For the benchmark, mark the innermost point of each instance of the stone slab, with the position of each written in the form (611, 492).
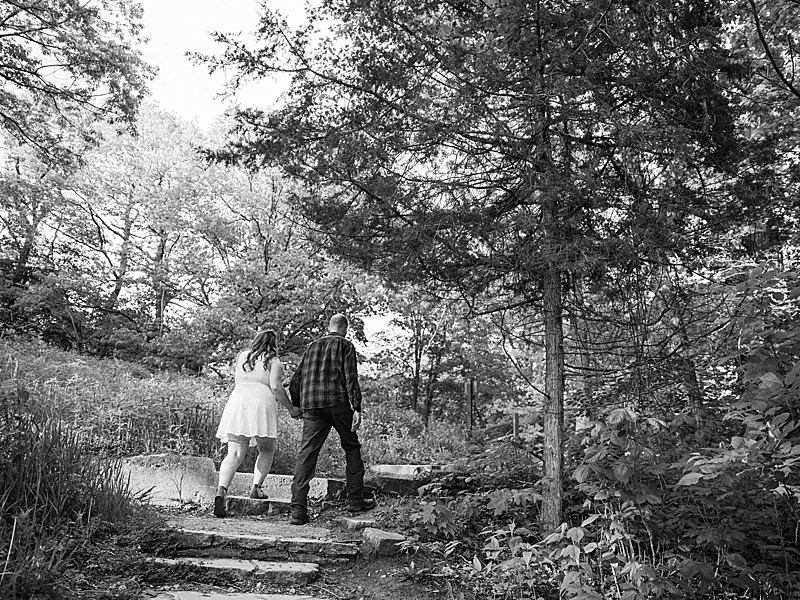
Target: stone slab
(280, 486)
(276, 572)
(170, 479)
(190, 595)
(410, 472)
(250, 526)
(356, 522)
(239, 505)
(382, 543)
(399, 479)
(196, 543)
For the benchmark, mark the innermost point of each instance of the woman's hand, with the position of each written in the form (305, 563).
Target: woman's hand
(295, 412)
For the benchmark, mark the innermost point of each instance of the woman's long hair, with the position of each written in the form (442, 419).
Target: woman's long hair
(262, 347)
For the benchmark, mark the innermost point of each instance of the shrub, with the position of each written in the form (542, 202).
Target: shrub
(394, 435)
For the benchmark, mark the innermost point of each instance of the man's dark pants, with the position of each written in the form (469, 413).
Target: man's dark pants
(317, 425)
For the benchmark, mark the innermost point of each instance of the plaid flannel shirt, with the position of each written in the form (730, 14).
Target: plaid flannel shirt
(327, 375)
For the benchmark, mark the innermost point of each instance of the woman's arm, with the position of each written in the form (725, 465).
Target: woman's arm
(276, 385)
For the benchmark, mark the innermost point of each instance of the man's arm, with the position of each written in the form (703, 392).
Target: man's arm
(294, 384)
(351, 378)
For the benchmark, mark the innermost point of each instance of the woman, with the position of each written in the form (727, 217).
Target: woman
(250, 417)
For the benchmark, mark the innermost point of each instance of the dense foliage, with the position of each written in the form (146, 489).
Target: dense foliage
(63, 59)
(147, 252)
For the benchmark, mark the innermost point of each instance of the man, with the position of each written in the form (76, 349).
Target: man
(325, 387)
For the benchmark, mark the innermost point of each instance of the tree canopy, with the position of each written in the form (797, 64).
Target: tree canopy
(61, 56)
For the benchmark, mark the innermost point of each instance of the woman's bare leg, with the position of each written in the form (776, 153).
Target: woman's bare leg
(237, 450)
(266, 454)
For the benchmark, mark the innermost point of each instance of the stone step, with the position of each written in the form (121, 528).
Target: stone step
(191, 595)
(399, 479)
(286, 573)
(261, 526)
(382, 543)
(241, 505)
(356, 522)
(201, 543)
(170, 479)
(280, 486)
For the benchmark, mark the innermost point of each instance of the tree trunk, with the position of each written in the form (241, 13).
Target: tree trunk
(122, 268)
(433, 376)
(20, 273)
(162, 294)
(693, 388)
(552, 304)
(426, 413)
(416, 381)
(554, 402)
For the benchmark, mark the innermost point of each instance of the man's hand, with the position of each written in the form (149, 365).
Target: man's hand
(295, 412)
(356, 420)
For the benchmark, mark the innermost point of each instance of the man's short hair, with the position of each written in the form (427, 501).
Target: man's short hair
(339, 323)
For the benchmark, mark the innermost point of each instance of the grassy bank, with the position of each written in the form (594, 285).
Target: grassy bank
(56, 497)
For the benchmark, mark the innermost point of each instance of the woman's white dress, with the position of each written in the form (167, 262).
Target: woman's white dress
(251, 409)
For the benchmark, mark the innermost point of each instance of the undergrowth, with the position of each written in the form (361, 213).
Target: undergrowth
(55, 496)
(648, 516)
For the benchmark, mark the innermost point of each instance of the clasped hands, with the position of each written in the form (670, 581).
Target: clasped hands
(296, 413)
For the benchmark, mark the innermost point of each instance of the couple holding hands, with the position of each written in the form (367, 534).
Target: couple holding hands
(324, 393)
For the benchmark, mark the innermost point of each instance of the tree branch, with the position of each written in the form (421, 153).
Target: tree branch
(775, 67)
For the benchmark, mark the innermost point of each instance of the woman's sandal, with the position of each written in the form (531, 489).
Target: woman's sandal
(257, 493)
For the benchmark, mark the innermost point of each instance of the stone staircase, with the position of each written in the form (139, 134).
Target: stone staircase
(254, 547)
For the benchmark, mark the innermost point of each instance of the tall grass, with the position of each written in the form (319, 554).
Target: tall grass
(54, 496)
(120, 409)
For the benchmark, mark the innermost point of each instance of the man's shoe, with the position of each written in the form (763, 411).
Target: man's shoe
(366, 504)
(298, 519)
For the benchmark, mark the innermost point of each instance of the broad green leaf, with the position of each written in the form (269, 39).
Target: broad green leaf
(690, 479)
(770, 379)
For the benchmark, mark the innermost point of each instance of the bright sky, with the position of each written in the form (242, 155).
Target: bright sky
(178, 26)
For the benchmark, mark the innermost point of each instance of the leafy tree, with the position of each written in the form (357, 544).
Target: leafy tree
(763, 214)
(62, 56)
(135, 206)
(414, 341)
(30, 195)
(772, 27)
(269, 274)
(430, 349)
(499, 147)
